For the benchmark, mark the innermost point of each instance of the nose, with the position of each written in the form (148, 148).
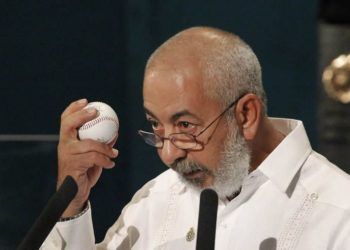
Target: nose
(169, 153)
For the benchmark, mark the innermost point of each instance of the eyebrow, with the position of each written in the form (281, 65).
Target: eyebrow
(148, 112)
(175, 116)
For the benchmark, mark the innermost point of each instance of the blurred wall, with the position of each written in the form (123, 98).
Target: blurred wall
(52, 53)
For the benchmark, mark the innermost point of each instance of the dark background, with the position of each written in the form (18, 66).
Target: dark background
(54, 52)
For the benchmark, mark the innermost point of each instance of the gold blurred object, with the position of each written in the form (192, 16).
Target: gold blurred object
(336, 79)
(190, 234)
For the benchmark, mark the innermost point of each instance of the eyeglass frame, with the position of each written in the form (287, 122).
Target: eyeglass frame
(162, 139)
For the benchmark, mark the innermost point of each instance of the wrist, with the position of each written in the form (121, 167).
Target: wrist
(74, 208)
(71, 214)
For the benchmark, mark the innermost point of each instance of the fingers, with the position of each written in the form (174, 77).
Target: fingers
(92, 159)
(86, 146)
(86, 153)
(78, 165)
(73, 107)
(112, 143)
(94, 174)
(71, 122)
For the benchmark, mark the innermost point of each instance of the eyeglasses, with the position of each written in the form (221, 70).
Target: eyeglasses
(182, 140)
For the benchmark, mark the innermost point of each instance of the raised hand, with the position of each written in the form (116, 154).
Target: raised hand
(84, 160)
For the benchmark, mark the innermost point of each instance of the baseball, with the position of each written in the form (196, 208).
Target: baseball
(104, 128)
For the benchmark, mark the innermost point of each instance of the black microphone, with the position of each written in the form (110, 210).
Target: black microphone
(50, 215)
(208, 207)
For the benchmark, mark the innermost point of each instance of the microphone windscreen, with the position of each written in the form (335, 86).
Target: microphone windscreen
(206, 228)
(50, 215)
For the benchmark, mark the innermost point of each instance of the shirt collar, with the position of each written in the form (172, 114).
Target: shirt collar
(286, 159)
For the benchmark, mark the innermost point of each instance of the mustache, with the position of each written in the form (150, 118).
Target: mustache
(184, 166)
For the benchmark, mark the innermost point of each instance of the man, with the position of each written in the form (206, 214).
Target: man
(204, 99)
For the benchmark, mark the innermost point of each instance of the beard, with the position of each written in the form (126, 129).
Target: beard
(233, 167)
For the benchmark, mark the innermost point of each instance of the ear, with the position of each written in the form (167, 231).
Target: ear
(248, 115)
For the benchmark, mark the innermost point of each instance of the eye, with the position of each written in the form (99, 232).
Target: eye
(185, 125)
(154, 124)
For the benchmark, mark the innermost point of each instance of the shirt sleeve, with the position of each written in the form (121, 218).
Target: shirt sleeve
(74, 234)
(341, 234)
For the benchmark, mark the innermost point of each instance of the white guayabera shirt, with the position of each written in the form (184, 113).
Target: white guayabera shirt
(295, 199)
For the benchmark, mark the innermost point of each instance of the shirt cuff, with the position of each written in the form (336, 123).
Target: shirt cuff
(87, 206)
(75, 234)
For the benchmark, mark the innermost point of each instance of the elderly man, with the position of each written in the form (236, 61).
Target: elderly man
(205, 102)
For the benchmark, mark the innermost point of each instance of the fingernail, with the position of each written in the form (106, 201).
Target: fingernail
(91, 110)
(115, 151)
(82, 101)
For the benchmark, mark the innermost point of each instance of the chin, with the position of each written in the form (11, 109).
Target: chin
(197, 184)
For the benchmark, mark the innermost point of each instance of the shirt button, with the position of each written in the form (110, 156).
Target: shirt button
(314, 196)
(224, 226)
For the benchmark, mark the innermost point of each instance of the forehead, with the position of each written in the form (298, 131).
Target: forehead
(168, 90)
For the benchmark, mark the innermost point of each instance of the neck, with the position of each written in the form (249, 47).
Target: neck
(265, 142)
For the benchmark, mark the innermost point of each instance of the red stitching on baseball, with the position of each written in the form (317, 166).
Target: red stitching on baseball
(98, 120)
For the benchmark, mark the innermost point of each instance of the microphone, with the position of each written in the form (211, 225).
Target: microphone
(208, 207)
(50, 215)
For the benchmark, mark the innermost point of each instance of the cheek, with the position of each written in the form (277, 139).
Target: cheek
(209, 157)
(159, 152)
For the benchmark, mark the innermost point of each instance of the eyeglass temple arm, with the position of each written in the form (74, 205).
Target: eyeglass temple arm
(223, 112)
